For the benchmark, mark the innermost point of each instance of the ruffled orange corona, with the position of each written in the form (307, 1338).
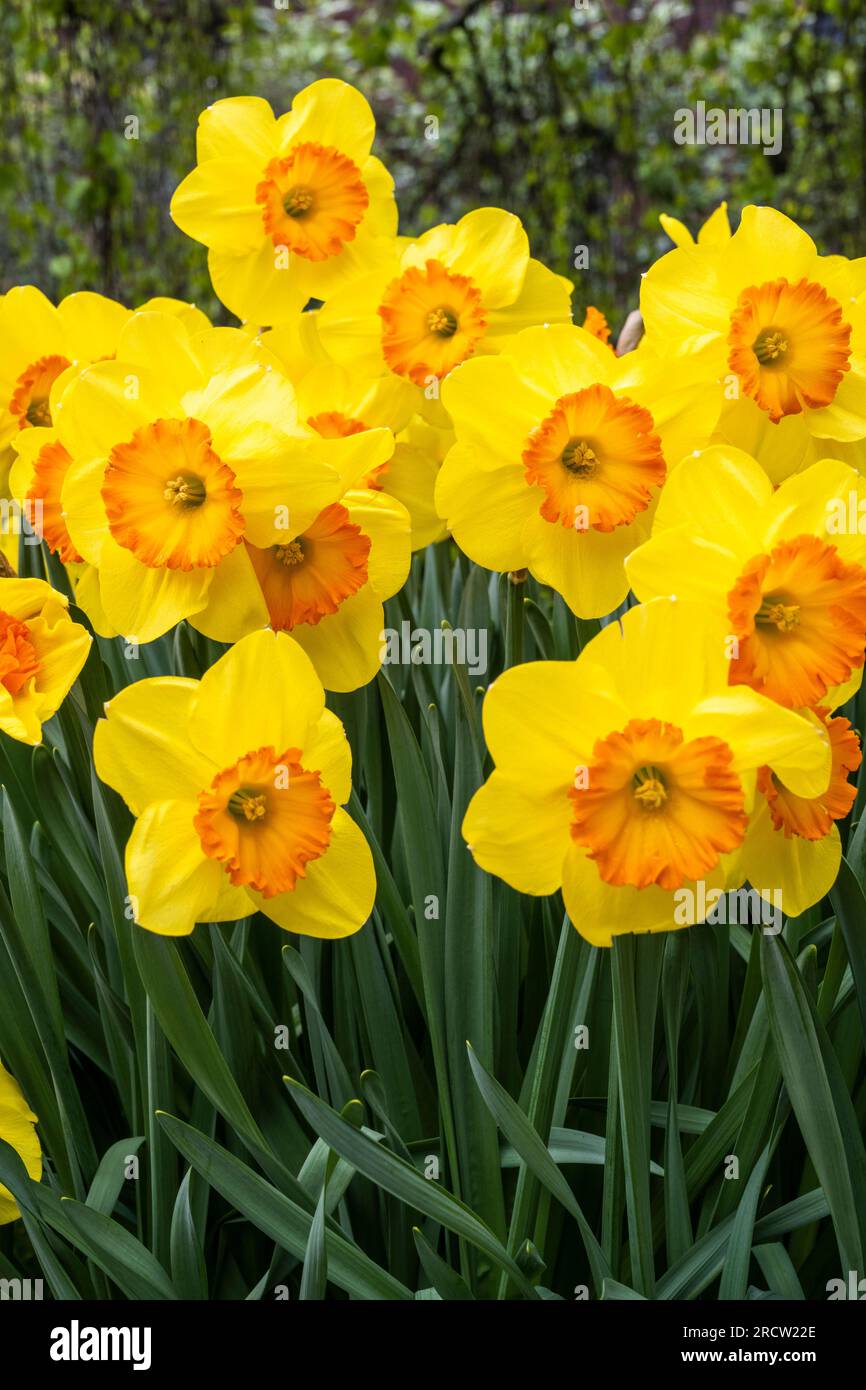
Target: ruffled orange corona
(597, 457)
(30, 402)
(309, 577)
(43, 504)
(657, 808)
(790, 346)
(432, 320)
(799, 616)
(313, 200)
(169, 498)
(264, 819)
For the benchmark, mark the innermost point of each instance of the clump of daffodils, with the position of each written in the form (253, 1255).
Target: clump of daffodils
(268, 484)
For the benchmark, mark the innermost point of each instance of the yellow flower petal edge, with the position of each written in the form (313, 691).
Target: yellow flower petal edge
(42, 652)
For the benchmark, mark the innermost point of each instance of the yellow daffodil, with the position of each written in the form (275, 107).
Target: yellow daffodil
(638, 804)
(561, 450)
(18, 1128)
(455, 292)
(778, 328)
(41, 653)
(290, 207)
(792, 846)
(174, 461)
(237, 783)
(784, 569)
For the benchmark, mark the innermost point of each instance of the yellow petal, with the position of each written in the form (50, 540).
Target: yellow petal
(235, 604)
(346, 647)
(485, 504)
(329, 112)
(386, 522)
(142, 749)
(759, 732)
(327, 750)
(544, 298)
(143, 602)
(237, 128)
(519, 831)
(262, 693)
(93, 324)
(216, 205)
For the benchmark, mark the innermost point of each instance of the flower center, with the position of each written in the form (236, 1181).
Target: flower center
(769, 346)
(789, 346)
(30, 400)
(811, 818)
(597, 458)
(799, 616)
(170, 499)
(784, 616)
(18, 660)
(247, 804)
(309, 578)
(185, 491)
(313, 200)
(442, 322)
(579, 458)
(291, 554)
(297, 202)
(432, 320)
(656, 808)
(45, 512)
(649, 788)
(265, 819)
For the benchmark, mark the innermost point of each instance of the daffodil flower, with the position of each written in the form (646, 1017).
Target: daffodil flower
(778, 329)
(182, 450)
(454, 292)
(627, 777)
(290, 207)
(18, 1128)
(561, 451)
(237, 783)
(785, 569)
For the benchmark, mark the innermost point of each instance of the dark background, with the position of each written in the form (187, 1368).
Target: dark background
(563, 114)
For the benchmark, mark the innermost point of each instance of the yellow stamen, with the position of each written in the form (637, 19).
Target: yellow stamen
(186, 491)
(770, 346)
(649, 788)
(784, 616)
(298, 202)
(579, 458)
(291, 554)
(250, 805)
(442, 322)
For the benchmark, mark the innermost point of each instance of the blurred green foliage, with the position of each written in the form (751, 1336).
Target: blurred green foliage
(562, 112)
